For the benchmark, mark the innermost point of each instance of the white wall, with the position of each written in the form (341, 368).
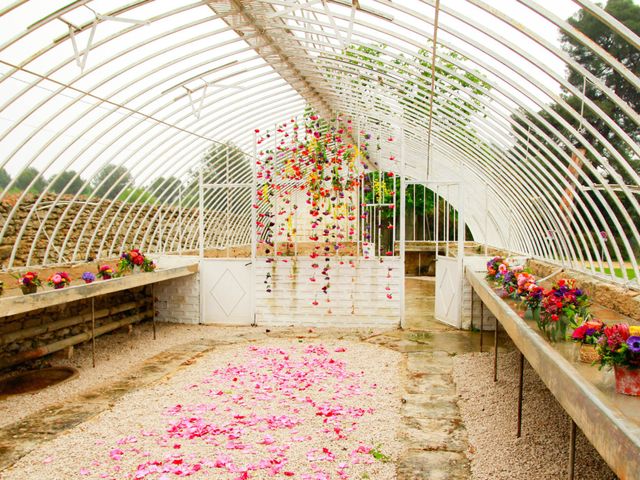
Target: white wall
(358, 295)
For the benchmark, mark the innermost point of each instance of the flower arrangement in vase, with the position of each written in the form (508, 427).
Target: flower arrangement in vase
(88, 277)
(133, 260)
(510, 281)
(496, 269)
(619, 347)
(59, 280)
(105, 272)
(29, 283)
(149, 265)
(532, 301)
(587, 335)
(562, 306)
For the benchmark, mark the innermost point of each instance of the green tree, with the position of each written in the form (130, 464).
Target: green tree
(628, 13)
(67, 182)
(27, 176)
(114, 176)
(166, 188)
(5, 178)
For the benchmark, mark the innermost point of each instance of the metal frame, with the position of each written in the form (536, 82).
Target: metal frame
(254, 64)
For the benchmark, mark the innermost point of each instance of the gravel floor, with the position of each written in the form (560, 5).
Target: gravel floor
(115, 353)
(489, 414)
(312, 410)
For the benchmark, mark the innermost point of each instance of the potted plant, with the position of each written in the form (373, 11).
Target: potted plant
(131, 261)
(29, 283)
(59, 280)
(105, 272)
(496, 268)
(88, 277)
(619, 347)
(587, 335)
(562, 306)
(532, 301)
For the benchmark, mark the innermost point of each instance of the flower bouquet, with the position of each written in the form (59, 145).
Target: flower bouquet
(130, 260)
(532, 301)
(59, 280)
(29, 283)
(562, 306)
(588, 335)
(510, 282)
(105, 272)
(148, 265)
(88, 277)
(496, 268)
(619, 346)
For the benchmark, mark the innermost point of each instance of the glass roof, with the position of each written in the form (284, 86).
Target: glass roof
(153, 85)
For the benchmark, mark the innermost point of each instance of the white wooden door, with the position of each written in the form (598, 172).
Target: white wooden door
(448, 290)
(226, 291)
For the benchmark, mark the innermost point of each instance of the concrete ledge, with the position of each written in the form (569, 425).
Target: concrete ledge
(610, 421)
(25, 303)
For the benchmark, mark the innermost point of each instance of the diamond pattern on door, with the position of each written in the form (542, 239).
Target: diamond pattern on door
(228, 292)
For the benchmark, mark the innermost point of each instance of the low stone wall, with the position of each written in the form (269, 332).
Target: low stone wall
(25, 337)
(610, 295)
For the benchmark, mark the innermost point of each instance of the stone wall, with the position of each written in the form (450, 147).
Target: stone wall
(153, 221)
(24, 337)
(610, 295)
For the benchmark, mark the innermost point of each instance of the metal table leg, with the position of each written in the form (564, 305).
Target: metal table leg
(520, 392)
(481, 323)
(495, 352)
(572, 450)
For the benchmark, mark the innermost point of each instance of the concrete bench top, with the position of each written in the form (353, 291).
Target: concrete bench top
(12, 305)
(609, 420)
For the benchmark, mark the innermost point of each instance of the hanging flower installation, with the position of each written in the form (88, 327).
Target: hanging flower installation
(309, 170)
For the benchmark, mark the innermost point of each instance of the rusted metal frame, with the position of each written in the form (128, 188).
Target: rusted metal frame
(481, 323)
(495, 351)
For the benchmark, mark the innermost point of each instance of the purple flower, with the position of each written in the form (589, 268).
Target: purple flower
(634, 344)
(88, 277)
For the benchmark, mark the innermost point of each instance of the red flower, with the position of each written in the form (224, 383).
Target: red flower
(617, 335)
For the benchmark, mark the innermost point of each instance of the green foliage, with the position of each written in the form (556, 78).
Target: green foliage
(67, 182)
(27, 176)
(377, 69)
(114, 176)
(378, 455)
(385, 189)
(5, 178)
(140, 195)
(166, 189)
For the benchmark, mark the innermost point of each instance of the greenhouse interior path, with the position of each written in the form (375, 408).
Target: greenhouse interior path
(433, 440)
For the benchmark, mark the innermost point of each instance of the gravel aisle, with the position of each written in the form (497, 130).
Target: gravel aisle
(489, 414)
(275, 409)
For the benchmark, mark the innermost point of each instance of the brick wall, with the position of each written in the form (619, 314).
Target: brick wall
(178, 300)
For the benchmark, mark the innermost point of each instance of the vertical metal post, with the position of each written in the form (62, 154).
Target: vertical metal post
(520, 393)
(180, 220)
(254, 226)
(227, 237)
(461, 239)
(486, 218)
(572, 450)
(201, 212)
(93, 331)
(403, 221)
(153, 309)
(495, 351)
(481, 324)
(472, 305)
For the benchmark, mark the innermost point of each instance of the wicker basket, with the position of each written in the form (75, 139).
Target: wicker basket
(588, 354)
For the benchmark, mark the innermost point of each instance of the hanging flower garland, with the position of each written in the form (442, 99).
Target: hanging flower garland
(312, 158)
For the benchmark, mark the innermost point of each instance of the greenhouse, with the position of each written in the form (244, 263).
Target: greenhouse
(320, 239)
